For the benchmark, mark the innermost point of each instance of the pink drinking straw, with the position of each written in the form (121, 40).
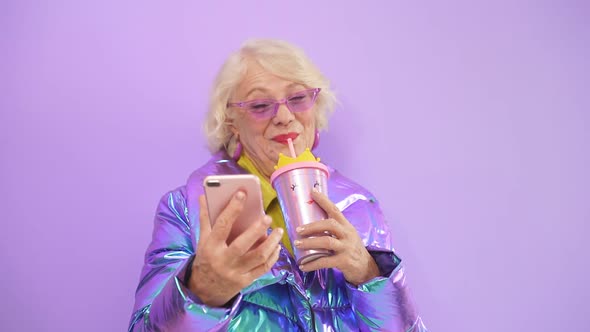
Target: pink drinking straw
(291, 148)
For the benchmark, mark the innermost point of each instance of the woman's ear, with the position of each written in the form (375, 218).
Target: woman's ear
(234, 130)
(230, 124)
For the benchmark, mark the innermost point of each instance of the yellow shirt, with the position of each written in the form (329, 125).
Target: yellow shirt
(269, 198)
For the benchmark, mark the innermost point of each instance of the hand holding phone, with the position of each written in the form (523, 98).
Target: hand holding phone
(224, 264)
(219, 190)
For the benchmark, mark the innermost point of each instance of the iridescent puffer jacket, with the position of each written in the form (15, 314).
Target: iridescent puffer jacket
(284, 299)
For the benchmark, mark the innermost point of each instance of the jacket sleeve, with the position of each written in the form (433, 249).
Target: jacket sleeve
(162, 301)
(383, 303)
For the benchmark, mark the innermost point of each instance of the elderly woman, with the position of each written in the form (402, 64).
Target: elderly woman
(193, 280)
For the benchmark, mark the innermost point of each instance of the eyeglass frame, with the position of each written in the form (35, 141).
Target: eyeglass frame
(277, 103)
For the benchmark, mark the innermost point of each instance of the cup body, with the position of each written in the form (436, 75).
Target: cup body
(293, 187)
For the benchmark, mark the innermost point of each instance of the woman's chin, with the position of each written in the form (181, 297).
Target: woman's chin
(279, 148)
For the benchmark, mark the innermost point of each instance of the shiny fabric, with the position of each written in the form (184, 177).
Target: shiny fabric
(284, 299)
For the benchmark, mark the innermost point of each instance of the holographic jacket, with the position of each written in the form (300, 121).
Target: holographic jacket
(284, 299)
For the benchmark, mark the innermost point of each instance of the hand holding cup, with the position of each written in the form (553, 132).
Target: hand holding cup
(350, 255)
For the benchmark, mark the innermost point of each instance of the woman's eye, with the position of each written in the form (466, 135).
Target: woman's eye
(259, 107)
(297, 99)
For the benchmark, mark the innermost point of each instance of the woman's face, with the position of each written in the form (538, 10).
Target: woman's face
(264, 139)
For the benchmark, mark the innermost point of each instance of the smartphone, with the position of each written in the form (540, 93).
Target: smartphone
(220, 189)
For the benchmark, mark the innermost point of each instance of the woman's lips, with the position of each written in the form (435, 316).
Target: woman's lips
(283, 138)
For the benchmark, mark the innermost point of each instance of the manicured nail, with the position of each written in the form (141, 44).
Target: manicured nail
(281, 231)
(297, 243)
(299, 229)
(302, 267)
(240, 195)
(315, 190)
(267, 220)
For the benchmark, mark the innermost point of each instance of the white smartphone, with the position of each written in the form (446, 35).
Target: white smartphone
(220, 189)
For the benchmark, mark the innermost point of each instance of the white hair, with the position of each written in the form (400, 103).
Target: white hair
(278, 58)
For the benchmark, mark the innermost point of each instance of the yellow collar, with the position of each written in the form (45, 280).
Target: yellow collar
(268, 196)
(268, 193)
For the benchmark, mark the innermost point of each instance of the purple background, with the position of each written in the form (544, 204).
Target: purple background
(469, 121)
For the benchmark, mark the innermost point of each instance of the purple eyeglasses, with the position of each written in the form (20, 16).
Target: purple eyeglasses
(267, 108)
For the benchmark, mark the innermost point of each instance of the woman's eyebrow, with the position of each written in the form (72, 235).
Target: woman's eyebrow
(254, 90)
(264, 90)
(294, 84)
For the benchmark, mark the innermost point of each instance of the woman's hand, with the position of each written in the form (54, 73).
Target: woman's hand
(350, 255)
(220, 271)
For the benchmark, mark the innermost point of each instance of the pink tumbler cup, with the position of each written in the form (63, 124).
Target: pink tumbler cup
(293, 184)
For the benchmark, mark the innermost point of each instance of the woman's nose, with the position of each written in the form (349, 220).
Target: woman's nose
(283, 116)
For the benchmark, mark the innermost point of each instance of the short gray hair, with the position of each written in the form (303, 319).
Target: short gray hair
(277, 57)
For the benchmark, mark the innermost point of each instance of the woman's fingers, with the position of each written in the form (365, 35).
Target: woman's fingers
(244, 242)
(204, 222)
(320, 227)
(325, 203)
(322, 263)
(255, 257)
(265, 266)
(320, 242)
(222, 226)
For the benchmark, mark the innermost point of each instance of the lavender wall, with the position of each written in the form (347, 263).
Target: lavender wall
(469, 121)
